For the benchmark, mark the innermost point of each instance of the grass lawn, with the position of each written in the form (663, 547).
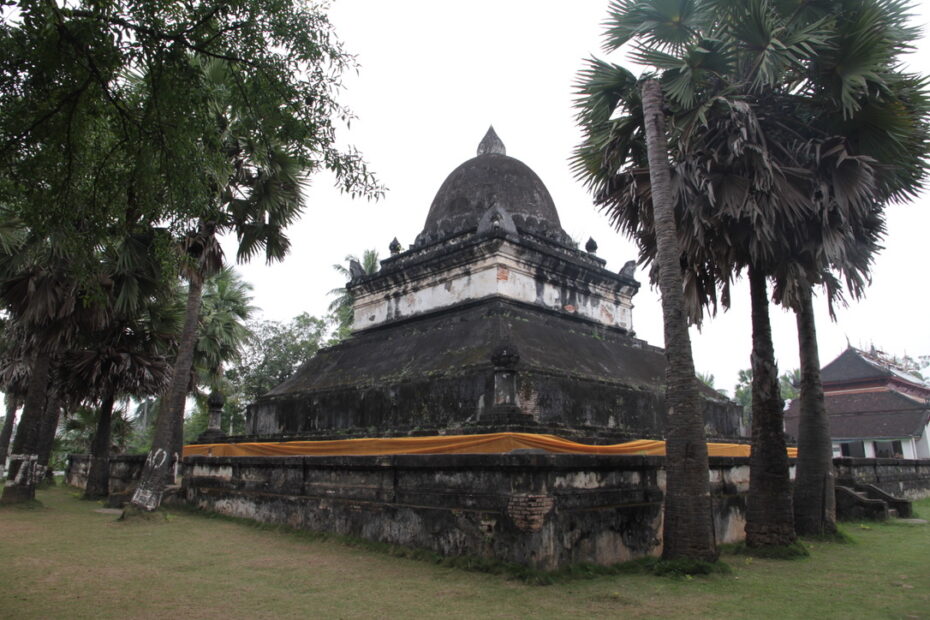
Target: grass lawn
(65, 560)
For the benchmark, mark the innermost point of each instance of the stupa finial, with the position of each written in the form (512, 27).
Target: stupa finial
(491, 143)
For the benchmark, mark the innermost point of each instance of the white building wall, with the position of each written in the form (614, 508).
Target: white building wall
(922, 444)
(869, 449)
(502, 274)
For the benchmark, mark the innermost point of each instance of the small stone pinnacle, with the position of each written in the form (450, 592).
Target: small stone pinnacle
(491, 144)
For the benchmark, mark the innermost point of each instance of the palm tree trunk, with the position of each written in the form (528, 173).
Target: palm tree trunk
(814, 484)
(688, 524)
(11, 406)
(769, 517)
(24, 457)
(171, 415)
(98, 477)
(47, 435)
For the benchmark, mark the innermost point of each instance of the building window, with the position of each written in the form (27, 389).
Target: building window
(853, 448)
(888, 449)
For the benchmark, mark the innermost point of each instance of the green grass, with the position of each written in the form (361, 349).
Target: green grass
(63, 559)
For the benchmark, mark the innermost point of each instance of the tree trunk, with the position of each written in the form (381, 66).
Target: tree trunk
(98, 477)
(24, 457)
(170, 418)
(11, 406)
(688, 523)
(47, 433)
(769, 517)
(814, 483)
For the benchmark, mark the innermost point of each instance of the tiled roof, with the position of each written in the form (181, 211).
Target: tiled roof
(855, 365)
(878, 413)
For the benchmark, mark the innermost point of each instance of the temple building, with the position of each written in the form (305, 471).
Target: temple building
(492, 320)
(876, 408)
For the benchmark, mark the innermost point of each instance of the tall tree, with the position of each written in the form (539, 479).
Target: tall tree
(274, 353)
(258, 195)
(50, 307)
(110, 118)
(759, 182)
(688, 529)
(222, 335)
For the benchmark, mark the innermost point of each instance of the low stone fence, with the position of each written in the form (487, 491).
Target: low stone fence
(905, 478)
(539, 509)
(543, 510)
(125, 471)
(77, 469)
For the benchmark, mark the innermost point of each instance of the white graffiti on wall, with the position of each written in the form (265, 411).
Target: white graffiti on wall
(29, 473)
(156, 458)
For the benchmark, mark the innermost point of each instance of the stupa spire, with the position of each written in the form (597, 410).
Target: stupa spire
(491, 143)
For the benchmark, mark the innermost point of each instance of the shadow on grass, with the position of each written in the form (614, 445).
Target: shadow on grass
(31, 504)
(794, 551)
(839, 537)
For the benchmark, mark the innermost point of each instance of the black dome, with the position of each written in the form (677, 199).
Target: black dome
(492, 179)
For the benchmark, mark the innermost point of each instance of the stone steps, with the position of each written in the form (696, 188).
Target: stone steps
(869, 502)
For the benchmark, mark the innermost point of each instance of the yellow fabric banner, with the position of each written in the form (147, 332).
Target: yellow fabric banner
(449, 444)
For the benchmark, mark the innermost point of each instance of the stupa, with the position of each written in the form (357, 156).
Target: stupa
(493, 320)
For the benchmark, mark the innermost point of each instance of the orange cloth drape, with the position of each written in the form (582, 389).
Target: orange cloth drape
(448, 444)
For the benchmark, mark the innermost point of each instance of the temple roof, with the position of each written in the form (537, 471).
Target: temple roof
(492, 179)
(854, 365)
(868, 414)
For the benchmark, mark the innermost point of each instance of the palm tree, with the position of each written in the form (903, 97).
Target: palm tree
(688, 525)
(48, 305)
(341, 306)
(14, 379)
(259, 195)
(225, 310)
(759, 184)
(129, 358)
(223, 331)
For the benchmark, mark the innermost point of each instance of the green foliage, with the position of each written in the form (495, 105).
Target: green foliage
(197, 422)
(76, 433)
(706, 378)
(112, 113)
(789, 384)
(223, 331)
(341, 306)
(275, 351)
(272, 354)
(774, 115)
(742, 391)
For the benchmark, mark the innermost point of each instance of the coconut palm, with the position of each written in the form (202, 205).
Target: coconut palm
(766, 179)
(223, 331)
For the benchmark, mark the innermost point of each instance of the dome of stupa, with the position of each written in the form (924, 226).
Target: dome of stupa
(492, 179)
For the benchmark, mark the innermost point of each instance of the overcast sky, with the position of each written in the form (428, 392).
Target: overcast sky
(434, 75)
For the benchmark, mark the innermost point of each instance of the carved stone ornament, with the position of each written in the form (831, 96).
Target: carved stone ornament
(505, 356)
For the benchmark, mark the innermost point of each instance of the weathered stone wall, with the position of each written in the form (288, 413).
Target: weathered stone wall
(125, 471)
(594, 411)
(544, 510)
(900, 477)
(77, 469)
(435, 375)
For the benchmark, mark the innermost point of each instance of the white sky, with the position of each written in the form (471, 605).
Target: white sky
(434, 75)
